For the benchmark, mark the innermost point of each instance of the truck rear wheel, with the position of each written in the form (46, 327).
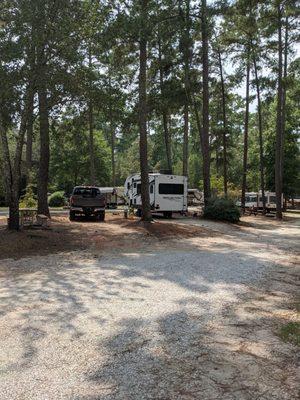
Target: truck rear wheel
(168, 214)
(102, 216)
(72, 215)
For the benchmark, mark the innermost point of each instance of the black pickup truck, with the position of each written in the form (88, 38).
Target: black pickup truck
(88, 201)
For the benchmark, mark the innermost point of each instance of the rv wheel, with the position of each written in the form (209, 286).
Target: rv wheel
(102, 216)
(139, 213)
(168, 214)
(72, 215)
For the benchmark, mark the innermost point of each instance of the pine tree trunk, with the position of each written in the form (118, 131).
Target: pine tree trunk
(43, 175)
(246, 127)
(279, 128)
(186, 61)
(14, 219)
(146, 212)
(112, 136)
(91, 131)
(41, 70)
(12, 169)
(185, 141)
(260, 133)
(91, 143)
(113, 161)
(167, 138)
(205, 107)
(224, 115)
(284, 88)
(29, 139)
(11, 182)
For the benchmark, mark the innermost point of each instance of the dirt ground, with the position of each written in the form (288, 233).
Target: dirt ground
(115, 233)
(121, 310)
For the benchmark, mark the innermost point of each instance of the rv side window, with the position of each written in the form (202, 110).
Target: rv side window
(134, 185)
(138, 188)
(128, 185)
(171, 188)
(151, 188)
(272, 199)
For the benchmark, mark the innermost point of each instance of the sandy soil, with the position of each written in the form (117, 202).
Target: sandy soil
(181, 309)
(63, 235)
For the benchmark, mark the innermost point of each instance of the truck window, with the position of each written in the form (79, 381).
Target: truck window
(86, 192)
(171, 188)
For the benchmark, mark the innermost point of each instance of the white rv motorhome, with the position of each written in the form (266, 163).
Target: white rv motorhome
(255, 200)
(250, 200)
(270, 200)
(168, 193)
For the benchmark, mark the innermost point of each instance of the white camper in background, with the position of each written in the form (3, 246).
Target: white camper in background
(270, 200)
(250, 200)
(255, 200)
(195, 197)
(168, 193)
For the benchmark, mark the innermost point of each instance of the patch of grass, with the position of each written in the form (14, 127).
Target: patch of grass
(291, 333)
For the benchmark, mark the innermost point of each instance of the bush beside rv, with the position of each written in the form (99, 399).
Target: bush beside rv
(168, 193)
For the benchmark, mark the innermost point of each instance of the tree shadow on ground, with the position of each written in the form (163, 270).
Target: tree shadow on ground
(158, 325)
(188, 359)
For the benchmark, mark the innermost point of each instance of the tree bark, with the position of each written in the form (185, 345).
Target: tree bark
(112, 137)
(41, 70)
(113, 162)
(205, 107)
(279, 121)
(146, 212)
(12, 169)
(29, 138)
(284, 89)
(185, 141)
(224, 115)
(284, 84)
(91, 143)
(12, 180)
(43, 175)
(167, 138)
(246, 127)
(91, 130)
(260, 133)
(186, 61)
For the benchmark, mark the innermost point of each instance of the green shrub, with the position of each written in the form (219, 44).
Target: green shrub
(291, 333)
(28, 200)
(57, 199)
(223, 210)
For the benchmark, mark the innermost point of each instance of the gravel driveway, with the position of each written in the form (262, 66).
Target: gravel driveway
(190, 319)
